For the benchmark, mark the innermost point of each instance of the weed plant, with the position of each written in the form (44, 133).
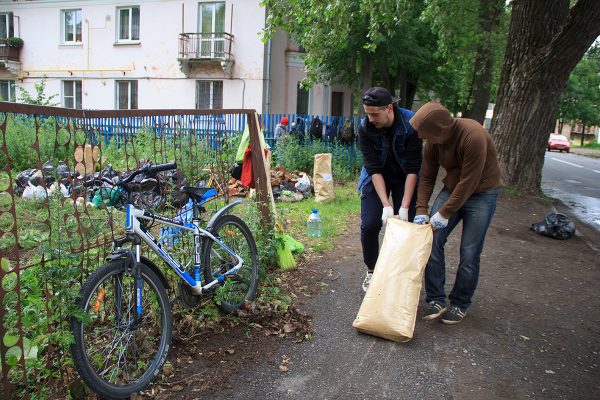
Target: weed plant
(59, 243)
(298, 155)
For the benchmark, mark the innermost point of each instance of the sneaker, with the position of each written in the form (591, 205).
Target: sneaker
(435, 310)
(367, 281)
(454, 316)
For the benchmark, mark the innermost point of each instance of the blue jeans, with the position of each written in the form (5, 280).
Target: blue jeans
(476, 214)
(370, 214)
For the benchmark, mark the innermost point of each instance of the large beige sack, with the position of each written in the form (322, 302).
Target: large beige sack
(322, 178)
(389, 309)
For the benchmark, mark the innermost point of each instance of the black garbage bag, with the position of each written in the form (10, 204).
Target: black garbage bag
(555, 225)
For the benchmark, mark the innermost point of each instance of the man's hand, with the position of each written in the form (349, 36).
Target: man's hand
(403, 214)
(421, 219)
(387, 212)
(438, 221)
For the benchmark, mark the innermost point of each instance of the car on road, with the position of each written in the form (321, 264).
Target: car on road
(558, 142)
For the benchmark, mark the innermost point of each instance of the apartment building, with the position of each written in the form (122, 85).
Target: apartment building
(146, 54)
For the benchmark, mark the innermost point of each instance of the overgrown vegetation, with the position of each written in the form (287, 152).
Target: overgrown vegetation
(59, 241)
(295, 155)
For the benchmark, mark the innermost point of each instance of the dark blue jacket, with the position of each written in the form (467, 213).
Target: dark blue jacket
(406, 145)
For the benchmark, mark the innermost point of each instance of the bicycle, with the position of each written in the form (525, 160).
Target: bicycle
(123, 331)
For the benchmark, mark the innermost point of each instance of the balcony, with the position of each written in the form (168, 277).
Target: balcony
(205, 49)
(10, 54)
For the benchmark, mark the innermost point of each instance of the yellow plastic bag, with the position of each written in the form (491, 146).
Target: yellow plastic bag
(245, 142)
(389, 309)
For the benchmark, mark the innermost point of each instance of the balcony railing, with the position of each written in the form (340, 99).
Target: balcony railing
(9, 53)
(205, 46)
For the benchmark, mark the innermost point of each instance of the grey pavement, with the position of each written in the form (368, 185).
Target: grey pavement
(532, 331)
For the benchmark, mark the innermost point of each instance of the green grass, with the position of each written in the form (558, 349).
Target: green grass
(577, 143)
(335, 215)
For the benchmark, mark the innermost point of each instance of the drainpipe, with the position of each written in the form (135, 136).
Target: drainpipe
(268, 79)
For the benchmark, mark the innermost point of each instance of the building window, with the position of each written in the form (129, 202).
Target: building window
(128, 24)
(6, 25)
(71, 26)
(301, 100)
(211, 18)
(337, 104)
(127, 95)
(7, 91)
(71, 94)
(209, 94)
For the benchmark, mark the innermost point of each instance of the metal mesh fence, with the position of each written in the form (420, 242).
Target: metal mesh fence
(53, 229)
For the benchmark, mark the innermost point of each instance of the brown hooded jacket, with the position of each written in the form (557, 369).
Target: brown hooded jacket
(463, 148)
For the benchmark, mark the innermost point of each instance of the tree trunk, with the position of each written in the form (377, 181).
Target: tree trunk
(411, 91)
(582, 134)
(403, 78)
(366, 77)
(544, 44)
(490, 12)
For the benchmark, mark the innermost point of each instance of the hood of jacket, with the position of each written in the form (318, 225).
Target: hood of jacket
(434, 123)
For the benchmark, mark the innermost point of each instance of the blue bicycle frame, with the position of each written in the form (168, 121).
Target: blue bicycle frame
(134, 227)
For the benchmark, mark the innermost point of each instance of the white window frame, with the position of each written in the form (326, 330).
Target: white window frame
(63, 24)
(131, 84)
(211, 95)
(11, 89)
(76, 97)
(129, 38)
(8, 19)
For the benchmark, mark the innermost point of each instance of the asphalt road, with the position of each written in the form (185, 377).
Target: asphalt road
(575, 181)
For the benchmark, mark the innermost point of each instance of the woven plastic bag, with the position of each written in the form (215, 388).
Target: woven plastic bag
(389, 309)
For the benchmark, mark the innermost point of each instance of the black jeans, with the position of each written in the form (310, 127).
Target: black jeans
(370, 213)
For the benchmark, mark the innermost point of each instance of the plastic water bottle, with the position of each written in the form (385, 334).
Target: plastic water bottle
(314, 224)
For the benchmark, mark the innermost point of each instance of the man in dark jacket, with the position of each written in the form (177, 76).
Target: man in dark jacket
(466, 151)
(392, 157)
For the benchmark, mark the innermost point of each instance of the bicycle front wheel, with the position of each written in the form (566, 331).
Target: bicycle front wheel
(242, 286)
(115, 353)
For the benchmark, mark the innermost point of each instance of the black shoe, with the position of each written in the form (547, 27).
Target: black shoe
(434, 310)
(454, 316)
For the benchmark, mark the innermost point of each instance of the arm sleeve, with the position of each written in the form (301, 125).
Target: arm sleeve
(474, 151)
(429, 174)
(371, 159)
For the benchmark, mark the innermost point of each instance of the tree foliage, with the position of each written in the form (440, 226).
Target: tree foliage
(580, 101)
(471, 37)
(358, 42)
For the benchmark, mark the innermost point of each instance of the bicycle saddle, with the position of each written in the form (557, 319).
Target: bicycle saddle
(198, 194)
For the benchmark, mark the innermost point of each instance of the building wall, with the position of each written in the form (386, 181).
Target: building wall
(99, 60)
(153, 62)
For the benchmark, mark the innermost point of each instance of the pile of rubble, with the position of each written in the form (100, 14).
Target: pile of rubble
(287, 186)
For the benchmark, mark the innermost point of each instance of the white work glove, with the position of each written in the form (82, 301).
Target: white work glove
(438, 222)
(403, 214)
(421, 219)
(386, 213)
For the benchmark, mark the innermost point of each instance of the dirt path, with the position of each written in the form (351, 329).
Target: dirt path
(533, 331)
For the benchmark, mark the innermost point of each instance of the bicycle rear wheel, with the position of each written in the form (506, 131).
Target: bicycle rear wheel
(115, 355)
(237, 289)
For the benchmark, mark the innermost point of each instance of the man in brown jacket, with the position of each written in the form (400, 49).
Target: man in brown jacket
(466, 151)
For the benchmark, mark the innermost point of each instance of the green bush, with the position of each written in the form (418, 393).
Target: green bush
(22, 133)
(296, 156)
